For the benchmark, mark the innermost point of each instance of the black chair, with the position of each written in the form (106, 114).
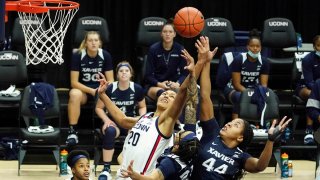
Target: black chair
(279, 33)
(39, 141)
(91, 23)
(249, 112)
(13, 71)
(149, 31)
(220, 33)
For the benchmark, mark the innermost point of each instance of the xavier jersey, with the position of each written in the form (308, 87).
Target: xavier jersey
(173, 168)
(126, 100)
(89, 67)
(144, 144)
(215, 159)
(250, 71)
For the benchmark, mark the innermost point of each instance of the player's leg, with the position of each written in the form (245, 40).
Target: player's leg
(76, 99)
(110, 134)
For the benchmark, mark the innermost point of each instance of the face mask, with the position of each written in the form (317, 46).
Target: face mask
(318, 53)
(254, 56)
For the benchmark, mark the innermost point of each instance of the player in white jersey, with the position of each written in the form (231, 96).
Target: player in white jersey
(150, 134)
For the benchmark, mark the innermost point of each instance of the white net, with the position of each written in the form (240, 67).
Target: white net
(44, 33)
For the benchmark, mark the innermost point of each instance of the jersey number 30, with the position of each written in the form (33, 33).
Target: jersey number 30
(209, 164)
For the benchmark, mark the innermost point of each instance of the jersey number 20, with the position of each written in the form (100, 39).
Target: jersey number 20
(133, 138)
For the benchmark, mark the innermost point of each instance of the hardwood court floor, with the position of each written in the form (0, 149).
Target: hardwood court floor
(8, 171)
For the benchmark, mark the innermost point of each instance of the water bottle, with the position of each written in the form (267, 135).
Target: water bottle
(284, 165)
(290, 170)
(286, 135)
(63, 162)
(299, 40)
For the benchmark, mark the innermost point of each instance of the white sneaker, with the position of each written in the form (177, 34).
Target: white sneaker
(38, 129)
(9, 91)
(105, 175)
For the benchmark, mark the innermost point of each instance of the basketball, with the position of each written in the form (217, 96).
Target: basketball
(188, 22)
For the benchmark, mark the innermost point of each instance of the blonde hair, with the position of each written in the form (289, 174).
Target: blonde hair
(83, 43)
(127, 64)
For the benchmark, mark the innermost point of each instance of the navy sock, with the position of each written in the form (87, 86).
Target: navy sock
(73, 128)
(106, 166)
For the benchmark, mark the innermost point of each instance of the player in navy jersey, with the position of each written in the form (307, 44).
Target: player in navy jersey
(248, 70)
(222, 154)
(165, 66)
(127, 96)
(86, 63)
(150, 134)
(310, 72)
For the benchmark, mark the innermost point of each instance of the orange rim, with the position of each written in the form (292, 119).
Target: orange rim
(37, 6)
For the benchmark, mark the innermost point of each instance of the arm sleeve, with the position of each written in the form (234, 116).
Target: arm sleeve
(168, 167)
(210, 128)
(149, 71)
(265, 67)
(108, 61)
(75, 62)
(139, 92)
(237, 64)
(307, 72)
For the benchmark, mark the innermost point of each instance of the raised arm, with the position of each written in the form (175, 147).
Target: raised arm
(113, 110)
(168, 118)
(254, 165)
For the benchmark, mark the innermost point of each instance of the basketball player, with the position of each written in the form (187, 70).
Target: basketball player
(177, 161)
(310, 73)
(223, 155)
(150, 135)
(165, 67)
(86, 63)
(127, 96)
(79, 162)
(248, 70)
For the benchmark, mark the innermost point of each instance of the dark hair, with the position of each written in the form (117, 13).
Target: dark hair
(170, 23)
(254, 34)
(71, 161)
(247, 136)
(314, 40)
(188, 150)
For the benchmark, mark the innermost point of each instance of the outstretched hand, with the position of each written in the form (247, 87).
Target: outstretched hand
(103, 83)
(125, 173)
(275, 131)
(190, 61)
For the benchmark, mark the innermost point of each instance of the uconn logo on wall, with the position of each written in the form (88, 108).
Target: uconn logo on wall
(9, 56)
(278, 23)
(216, 22)
(91, 22)
(153, 23)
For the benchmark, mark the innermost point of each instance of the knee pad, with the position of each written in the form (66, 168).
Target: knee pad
(108, 138)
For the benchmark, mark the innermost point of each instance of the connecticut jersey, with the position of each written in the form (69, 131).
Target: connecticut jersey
(215, 159)
(144, 144)
(173, 168)
(89, 67)
(126, 100)
(250, 71)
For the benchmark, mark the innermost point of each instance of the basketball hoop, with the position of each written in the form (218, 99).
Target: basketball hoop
(44, 24)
